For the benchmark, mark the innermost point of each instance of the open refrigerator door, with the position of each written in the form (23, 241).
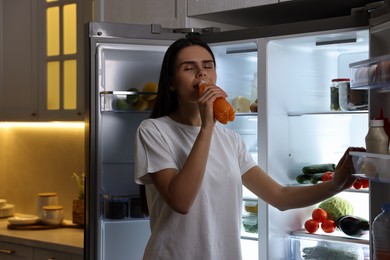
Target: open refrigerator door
(237, 66)
(298, 128)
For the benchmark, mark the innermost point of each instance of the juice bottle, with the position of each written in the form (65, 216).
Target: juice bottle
(223, 111)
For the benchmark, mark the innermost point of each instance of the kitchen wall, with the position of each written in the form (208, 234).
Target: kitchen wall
(40, 157)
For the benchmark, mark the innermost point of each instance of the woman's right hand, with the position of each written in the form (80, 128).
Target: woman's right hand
(208, 93)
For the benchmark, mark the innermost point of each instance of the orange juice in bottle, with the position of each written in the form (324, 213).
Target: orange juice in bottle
(223, 111)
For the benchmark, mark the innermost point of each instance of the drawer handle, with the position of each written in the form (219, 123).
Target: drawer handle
(51, 258)
(7, 251)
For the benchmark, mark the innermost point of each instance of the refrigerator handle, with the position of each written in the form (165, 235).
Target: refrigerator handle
(158, 29)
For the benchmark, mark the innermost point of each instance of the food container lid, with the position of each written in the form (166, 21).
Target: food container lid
(47, 194)
(340, 79)
(249, 220)
(377, 122)
(52, 207)
(250, 203)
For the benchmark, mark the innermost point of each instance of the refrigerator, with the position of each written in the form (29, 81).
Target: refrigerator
(288, 69)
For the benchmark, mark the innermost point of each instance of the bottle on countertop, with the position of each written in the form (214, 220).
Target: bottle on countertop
(376, 138)
(381, 233)
(352, 226)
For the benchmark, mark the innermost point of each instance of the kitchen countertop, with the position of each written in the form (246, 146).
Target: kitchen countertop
(67, 240)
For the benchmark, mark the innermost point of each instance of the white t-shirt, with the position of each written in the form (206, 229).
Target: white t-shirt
(211, 229)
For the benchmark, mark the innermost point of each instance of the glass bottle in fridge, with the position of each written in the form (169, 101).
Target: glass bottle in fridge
(381, 234)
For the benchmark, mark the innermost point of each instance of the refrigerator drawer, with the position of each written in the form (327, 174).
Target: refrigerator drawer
(307, 248)
(124, 240)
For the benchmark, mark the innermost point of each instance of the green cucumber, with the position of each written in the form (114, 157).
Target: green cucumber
(303, 179)
(317, 168)
(309, 178)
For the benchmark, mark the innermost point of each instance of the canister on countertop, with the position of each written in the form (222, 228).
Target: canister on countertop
(46, 199)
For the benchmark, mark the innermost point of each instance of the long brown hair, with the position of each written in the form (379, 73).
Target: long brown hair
(166, 101)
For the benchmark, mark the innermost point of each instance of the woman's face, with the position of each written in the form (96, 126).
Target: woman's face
(193, 64)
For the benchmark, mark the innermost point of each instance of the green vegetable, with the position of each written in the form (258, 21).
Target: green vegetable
(316, 168)
(309, 178)
(336, 207)
(327, 253)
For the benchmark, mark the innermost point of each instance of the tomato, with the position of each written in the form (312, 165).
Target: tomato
(357, 184)
(365, 183)
(327, 176)
(328, 226)
(319, 215)
(311, 226)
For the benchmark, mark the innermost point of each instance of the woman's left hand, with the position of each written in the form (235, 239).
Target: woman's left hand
(342, 178)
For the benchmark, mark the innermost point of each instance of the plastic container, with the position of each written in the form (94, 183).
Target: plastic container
(352, 99)
(371, 165)
(376, 138)
(381, 234)
(251, 206)
(334, 248)
(250, 224)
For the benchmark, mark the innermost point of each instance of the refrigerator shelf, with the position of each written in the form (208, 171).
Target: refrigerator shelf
(335, 236)
(375, 167)
(371, 73)
(126, 101)
(318, 113)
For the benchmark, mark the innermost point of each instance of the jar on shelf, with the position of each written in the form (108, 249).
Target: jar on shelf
(334, 94)
(351, 99)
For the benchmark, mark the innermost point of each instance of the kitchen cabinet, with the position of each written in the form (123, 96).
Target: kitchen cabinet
(18, 60)
(198, 7)
(24, 63)
(40, 254)
(168, 13)
(10, 251)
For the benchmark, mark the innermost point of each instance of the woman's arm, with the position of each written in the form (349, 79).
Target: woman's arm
(283, 198)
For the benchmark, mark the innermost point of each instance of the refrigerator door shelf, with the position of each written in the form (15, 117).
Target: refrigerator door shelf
(372, 166)
(371, 73)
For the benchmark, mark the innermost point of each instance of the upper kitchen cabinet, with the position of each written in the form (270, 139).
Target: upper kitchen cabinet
(252, 13)
(42, 62)
(199, 7)
(61, 59)
(18, 60)
(168, 13)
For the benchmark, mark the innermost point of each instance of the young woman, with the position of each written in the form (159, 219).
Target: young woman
(193, 170)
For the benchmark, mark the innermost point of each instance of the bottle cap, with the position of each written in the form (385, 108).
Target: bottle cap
(377, 122)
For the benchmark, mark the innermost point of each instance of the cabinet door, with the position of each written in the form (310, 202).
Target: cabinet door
(43, 254)
(9, 251)
(18, 68)
(199, 7)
